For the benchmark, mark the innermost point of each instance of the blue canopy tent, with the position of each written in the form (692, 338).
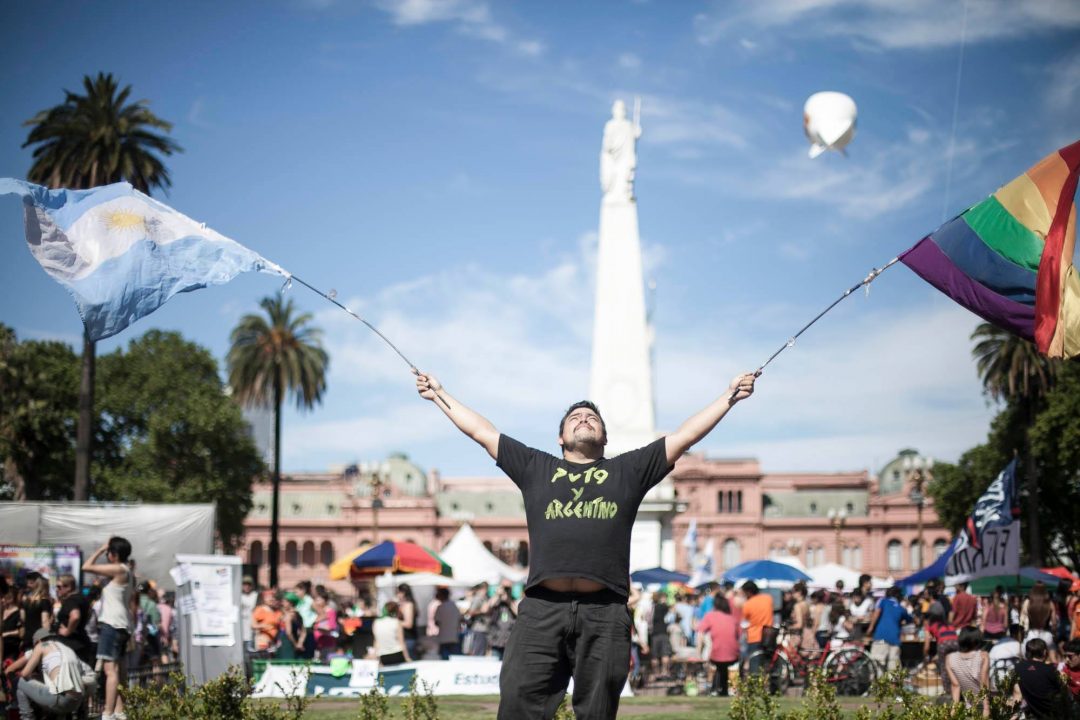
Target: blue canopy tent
(937, 570)
(768, 570)
(658, 576)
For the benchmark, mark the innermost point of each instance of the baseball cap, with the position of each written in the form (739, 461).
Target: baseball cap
(248, 579)
(40, 634)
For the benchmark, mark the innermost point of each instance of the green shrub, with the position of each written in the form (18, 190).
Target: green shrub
(226, 696)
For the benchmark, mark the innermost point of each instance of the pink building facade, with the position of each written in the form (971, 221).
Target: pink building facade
(869, 524)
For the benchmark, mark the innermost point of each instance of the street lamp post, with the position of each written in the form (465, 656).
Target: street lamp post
(838, 518)
(918, 472)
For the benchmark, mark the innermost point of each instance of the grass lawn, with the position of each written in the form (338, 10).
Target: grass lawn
(484, 707)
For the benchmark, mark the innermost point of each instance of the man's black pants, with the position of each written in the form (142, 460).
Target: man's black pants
(557, 636)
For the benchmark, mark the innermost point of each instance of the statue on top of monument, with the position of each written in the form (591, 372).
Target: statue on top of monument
(618, 157)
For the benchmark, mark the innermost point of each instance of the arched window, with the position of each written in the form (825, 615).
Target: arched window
(292, 554)
(940, 546)
(916, 555)
(309, 553)
(738, 501)
(255, 554)
(326, 553)
(731, 553)
(895, 551)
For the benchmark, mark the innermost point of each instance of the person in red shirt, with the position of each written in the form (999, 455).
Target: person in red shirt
(946, 638)
(965, 607)
(1071, 669)
(722, 627)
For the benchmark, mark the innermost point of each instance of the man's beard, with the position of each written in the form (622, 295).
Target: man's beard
(590, 440)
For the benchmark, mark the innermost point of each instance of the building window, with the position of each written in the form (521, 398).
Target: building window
(813, 508)
(326, 553)
(292, 554)
(895, 555)
(730, 501)
(720, 502)
(815, 556)
(309, 553)
(916, 556)
(738, 501)
(852, 557)
(731, 553)
(777, 550)
(850, 507)
(255, 554)
(940, 546)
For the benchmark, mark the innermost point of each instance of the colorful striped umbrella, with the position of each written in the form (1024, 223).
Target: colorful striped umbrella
(398, 557)
(339, 569)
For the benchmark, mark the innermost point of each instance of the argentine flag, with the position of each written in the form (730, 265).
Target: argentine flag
(122, 254)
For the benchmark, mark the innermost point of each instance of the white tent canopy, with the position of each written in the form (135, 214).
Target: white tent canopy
(825, 576)
(473, 563)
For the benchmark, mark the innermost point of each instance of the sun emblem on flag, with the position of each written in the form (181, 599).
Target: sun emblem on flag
(125, 221)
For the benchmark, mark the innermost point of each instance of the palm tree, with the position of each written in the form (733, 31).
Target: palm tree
(90, 140)
(272, 355)
(1013, 371)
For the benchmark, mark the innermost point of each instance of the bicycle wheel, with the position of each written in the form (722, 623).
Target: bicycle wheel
(775, 666)
(852, 671)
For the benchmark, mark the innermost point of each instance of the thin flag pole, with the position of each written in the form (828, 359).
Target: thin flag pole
(865, 281)
(374, 329)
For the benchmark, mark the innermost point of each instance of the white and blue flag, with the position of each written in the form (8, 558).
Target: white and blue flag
(122, 254)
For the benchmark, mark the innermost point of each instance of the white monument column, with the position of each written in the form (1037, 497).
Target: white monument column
(621, 376)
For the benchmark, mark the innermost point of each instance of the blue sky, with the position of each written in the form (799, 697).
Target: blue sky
(437, 164)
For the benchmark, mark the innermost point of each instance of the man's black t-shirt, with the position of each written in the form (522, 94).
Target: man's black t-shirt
(580, 514)
(1041, 687)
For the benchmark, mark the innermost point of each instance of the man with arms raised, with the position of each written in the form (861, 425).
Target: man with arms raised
(580, 510)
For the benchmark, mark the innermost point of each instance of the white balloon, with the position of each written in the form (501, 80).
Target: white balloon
(829, 121)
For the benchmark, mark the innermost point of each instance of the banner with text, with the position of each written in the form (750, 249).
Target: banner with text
(989, 544)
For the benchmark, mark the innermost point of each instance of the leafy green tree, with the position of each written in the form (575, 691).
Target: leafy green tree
(1055, 441)
(273, 355)
(1013, 371)
(1052, 449)
(38, 394)
(170, 432)
(90, 140)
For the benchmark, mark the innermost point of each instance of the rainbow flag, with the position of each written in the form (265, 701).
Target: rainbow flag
(1009, 259)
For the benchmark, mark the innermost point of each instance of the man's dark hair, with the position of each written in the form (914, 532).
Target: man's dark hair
(1016, 631)
(304, 585)
(1035, 649)
(1073, 646)
(120, 547)
(971, 638)
(442, 593)
(864, 578)
(720, 603)
(583, 404)
(894, 592)
(750, 588)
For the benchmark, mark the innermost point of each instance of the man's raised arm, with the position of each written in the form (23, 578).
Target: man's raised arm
(472, 423)
(699, 425)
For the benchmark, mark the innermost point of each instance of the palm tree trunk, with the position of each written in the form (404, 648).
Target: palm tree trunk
(84, 435)
(274, 503)
(1035, 553)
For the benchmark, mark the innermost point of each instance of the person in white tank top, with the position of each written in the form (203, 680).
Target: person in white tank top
(116, 619)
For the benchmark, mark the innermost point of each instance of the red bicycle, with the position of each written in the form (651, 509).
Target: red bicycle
(850, 669)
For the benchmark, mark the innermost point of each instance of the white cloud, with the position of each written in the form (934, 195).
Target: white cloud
(870, 378)
(890, 24)
(470, 17)
(692, 123)
(1063, 86)
(629, 61)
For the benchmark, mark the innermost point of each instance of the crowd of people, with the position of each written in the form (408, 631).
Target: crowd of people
(972, 642)
(311, 622)
(59, 647)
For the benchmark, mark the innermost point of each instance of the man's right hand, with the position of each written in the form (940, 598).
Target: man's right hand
(427, 385)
